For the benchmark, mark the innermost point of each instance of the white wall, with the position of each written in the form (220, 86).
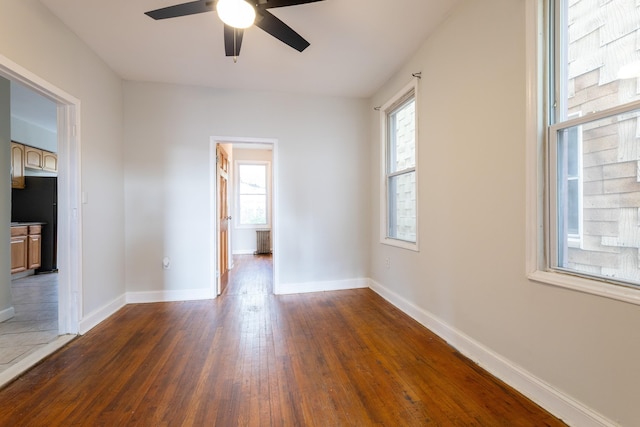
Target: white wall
(470, 272)
(244, 239)
(33, 135)
(323, 166)
(6, 305)
(33, 38)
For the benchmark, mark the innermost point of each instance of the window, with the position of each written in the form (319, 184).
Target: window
(590, 152)
(253, 194)
(399, 219)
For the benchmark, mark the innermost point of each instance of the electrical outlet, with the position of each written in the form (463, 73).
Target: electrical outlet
(387, 263)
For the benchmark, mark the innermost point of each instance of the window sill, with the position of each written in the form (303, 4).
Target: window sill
(400, 244)
(588, 286)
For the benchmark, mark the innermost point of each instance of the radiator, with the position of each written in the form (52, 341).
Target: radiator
(263, 243)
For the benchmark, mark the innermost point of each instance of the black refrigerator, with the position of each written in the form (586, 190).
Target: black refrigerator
(38, 202)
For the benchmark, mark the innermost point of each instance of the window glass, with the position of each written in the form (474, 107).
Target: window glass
(601, 61)
(252, 194)
(400, 169)
(594, 145)
(609, 201)
(402, 137)
(402, 207)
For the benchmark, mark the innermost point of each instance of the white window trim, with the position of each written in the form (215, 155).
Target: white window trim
(384, 239)
(236, 180)
(536, 216)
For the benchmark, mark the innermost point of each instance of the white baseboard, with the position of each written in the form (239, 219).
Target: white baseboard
(167, 296)
(243, 251)
(91, 320)
(330, 285)
(246, 251)
(553, 400)
(101, 314)
(7, 314)
(559, 404)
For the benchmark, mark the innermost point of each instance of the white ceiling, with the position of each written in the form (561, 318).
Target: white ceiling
(356, 45)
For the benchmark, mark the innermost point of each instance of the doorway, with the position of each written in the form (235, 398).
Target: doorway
(240, 217)
(69, 213)
(34, 278)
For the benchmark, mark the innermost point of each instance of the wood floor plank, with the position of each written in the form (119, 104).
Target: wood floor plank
(250, 358)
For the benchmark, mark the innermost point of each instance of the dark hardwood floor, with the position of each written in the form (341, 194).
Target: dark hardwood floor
(344, 358)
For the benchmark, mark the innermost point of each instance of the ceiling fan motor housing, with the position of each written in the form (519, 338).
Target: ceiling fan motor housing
(264, 20)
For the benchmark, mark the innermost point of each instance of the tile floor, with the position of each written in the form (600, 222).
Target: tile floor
(35, 324)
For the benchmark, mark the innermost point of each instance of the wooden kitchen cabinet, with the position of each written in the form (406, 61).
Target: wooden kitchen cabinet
(26, 247)
(34, 247)
(32, 157)
(49, 161)
(17, 165)
(19, 249)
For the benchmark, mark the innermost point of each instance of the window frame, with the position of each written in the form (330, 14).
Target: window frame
(539, 126)
(400, 98)
(267, 165)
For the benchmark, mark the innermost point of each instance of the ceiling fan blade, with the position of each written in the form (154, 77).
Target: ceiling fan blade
(281, 3)
(191, 8)
(278, 29)
(232, 40)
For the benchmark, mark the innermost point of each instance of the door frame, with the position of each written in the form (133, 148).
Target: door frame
(69, 196)
(213, 191)
(220, 175)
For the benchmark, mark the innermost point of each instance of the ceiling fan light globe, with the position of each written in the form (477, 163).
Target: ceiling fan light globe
(236, 13)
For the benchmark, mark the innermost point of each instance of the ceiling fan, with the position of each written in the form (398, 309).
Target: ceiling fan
(238, 15)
